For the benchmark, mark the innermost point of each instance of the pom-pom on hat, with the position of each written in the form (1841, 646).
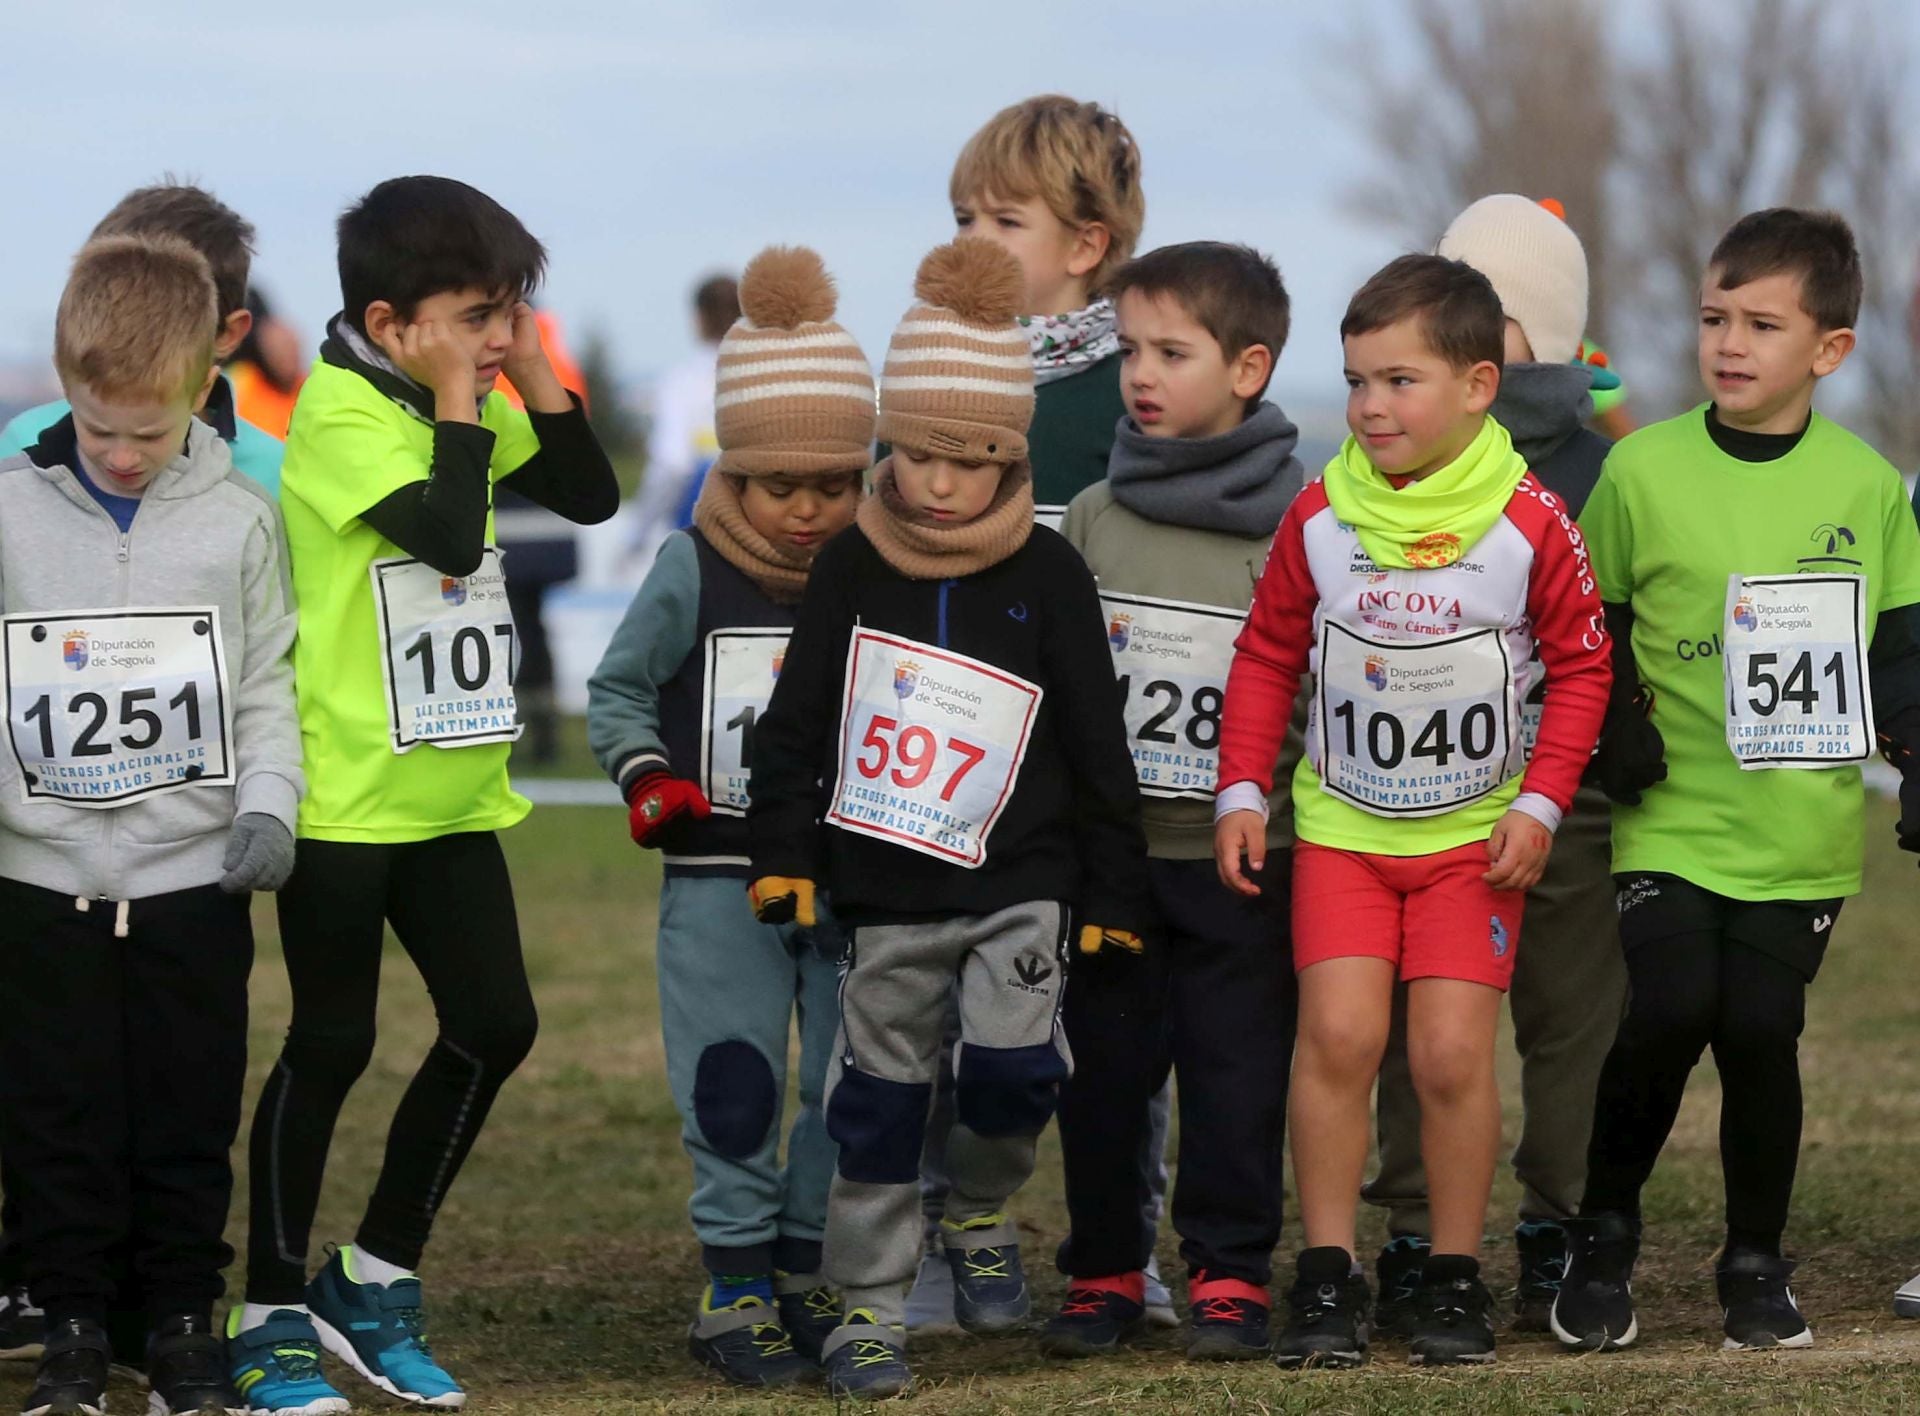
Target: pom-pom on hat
(958, 381)
(1536, 264)
(793, 393)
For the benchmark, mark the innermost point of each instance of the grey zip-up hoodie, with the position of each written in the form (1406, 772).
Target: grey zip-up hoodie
(204, 535)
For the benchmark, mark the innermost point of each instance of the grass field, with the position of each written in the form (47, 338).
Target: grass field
(563, 1270)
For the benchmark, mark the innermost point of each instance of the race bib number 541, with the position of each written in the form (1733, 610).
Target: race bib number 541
(447, 653)
(108, 705)
(931, 744)
(1796, 671)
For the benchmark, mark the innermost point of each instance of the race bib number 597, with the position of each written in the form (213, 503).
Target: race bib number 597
(931, 744)
(109, 705)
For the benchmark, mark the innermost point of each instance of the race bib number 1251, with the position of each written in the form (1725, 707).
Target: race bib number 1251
(447, 653)
(931, 744)
(108, 705)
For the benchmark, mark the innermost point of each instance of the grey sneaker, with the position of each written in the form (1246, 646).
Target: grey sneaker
(930, 1304)
(1159, 1301)
(1906, 1299)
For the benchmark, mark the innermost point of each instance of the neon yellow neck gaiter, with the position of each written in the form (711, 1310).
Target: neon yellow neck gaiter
(1432, 522)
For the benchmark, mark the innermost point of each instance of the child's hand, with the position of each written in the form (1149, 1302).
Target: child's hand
(1236, 834)
(1518, 848)
(657, 800)
(783, 899)
(1094, 938)
(528, 367)
(427, 353)
(259, 854)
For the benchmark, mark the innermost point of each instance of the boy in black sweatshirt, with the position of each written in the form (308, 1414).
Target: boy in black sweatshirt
(945, 754)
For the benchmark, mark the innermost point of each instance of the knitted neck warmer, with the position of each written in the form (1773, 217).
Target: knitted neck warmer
(1433, 522)
(1540, 405)
(1064, 345)
(921, 549)
(1239, 482)
(781, 575)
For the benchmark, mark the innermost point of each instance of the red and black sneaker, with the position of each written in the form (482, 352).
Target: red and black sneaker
(1096, 1316)
(1229, 1319)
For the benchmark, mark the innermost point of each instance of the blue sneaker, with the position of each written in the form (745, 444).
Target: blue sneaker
(865, 1360)
(276, 1366)
(990, 1297)
(377, 1330)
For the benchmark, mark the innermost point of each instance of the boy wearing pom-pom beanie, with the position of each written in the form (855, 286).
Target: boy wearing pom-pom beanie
(671, 715)
(948, 682)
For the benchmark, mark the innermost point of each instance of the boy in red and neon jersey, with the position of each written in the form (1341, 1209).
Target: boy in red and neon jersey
(1414, 581)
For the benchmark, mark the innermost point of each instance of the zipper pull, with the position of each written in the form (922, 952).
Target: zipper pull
(124, 538)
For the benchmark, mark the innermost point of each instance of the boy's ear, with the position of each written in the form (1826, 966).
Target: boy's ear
(1249, 371)
(380, 321)
(1090, 245)
(1832, 351)
(206, 385)
(1483, 385)
(233, 329)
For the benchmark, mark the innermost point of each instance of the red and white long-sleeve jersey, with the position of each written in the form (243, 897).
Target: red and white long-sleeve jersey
(1414, 743)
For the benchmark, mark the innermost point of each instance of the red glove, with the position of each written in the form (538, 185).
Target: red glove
(655, 800)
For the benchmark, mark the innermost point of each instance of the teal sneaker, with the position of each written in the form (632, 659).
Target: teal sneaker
(377, 1330)
(276, 1366)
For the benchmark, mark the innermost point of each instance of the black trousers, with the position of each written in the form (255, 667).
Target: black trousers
(1705, 971)
(451, 905)
(122, 1062)
(1214, 998)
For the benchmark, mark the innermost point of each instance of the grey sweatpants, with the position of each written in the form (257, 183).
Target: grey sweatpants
(1569, 992)
(1007, 969)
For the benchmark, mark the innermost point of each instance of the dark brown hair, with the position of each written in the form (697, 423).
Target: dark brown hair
(1817, 246)
(215, 230)
(1233, 292)
(716, 304)
(1460, 316)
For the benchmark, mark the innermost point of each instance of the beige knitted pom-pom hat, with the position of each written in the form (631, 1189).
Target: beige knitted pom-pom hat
(792, 391)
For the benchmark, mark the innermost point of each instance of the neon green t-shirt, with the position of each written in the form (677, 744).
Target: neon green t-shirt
(1671, 519)
(351, 446)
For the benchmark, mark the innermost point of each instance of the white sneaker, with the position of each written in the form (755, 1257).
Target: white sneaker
(1158, 1301)
(1906, 1301)
(930, 1304)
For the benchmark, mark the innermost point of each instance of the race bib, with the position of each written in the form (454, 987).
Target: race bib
(1049, 516)
(447, 652)
(104, 706)
(1172, 659)
(1796, 671)
(742, 667)
(931, 744)
(1413, 729)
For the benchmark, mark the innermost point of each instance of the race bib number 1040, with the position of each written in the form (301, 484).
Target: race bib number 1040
(447, 653)
(105, 706)
(931, 744)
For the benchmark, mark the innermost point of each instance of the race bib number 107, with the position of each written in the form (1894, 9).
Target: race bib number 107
(109, 705)
(1796, 671)
(931, 744)
(447, 653)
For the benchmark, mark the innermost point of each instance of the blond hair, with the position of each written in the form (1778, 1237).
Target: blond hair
(1076, 157)
(137, 318)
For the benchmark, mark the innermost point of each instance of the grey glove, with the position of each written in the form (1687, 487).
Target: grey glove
(259, 854)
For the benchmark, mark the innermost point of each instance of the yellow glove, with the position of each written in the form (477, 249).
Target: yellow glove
(780, 899)
(1093, 939)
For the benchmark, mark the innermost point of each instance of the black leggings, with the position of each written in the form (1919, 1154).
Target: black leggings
(451, 905)
(1705, 971)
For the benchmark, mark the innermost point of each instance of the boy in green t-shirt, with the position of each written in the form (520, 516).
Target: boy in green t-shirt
(1761, 574)
(404, 666)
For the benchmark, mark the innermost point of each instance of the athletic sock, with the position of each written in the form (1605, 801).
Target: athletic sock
(726, 1289)
(363, 1267)
(253, 1315)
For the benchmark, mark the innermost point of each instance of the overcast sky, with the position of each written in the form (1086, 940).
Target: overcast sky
(648, 144)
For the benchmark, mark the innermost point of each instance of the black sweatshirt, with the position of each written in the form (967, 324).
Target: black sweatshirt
(1070, 831)
(443, 520)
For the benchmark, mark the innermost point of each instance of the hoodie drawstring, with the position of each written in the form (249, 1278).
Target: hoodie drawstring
(85, 906)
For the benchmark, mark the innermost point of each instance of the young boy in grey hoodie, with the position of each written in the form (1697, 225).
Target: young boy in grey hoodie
(1201, 472)
(151, 784)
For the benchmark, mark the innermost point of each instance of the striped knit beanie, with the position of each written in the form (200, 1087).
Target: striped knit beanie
(958, 380)
(792, 391)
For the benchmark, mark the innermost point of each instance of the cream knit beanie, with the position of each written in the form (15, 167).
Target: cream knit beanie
(1536, 264)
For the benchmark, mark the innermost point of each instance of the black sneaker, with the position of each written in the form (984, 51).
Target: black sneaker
(1095, 1317)
(1594, 1309)
(72, 1380)
(23, 1327)
(1759, 1306)
(1543, 1264)
(869, 1362)
(809, 1311)
(744, 1342)
(1452, 1314)
(1227, 1327)
(187, 1368)
(1398, 1272)
(1326, 1313)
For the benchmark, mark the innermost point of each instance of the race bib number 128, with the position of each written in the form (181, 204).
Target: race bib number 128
(109, 705)
(447, 653)
(931, 744)
(1796, 671)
